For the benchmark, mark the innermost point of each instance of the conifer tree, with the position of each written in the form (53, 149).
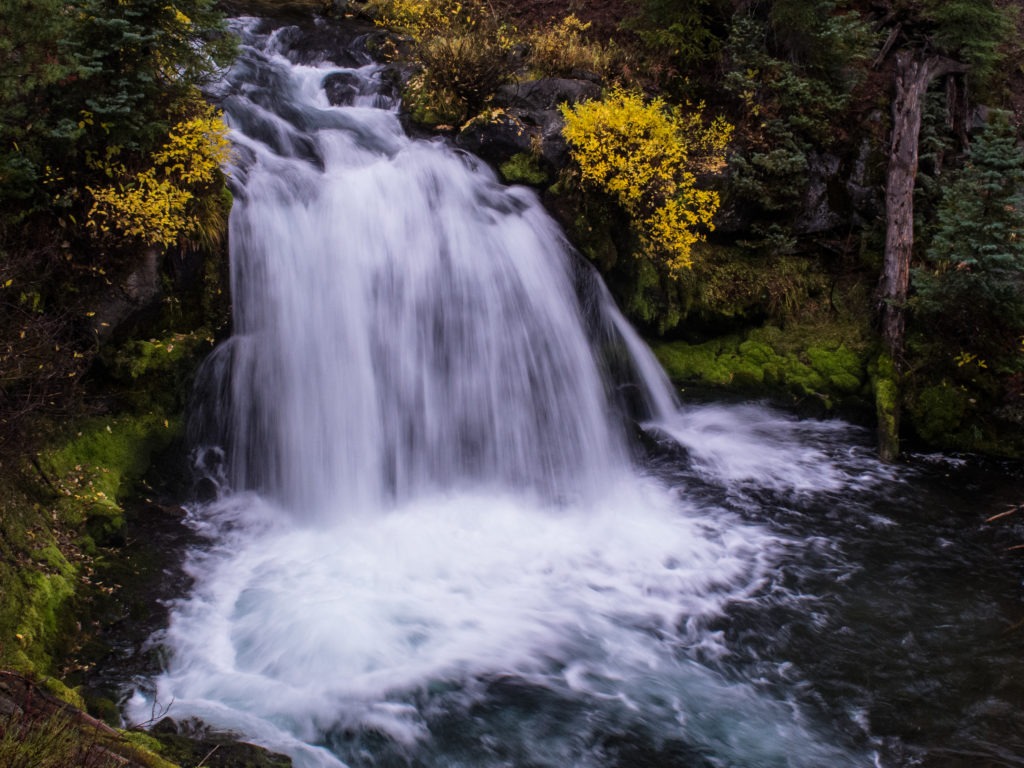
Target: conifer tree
(972, 293)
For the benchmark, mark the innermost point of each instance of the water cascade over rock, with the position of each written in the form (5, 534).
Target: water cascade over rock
(434, 541)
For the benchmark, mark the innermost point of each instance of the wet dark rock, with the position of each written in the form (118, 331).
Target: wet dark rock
(206, 490)
(138, 295)
(820, 209)
(497, 140)
(864, 196)
(545, 95)
(529, 121)
(341, 88)
(324, 41)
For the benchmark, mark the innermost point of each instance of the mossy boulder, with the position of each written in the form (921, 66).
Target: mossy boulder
(886, 387)
(770, 360)
(937, 412)
(57, 509)
(524, 168)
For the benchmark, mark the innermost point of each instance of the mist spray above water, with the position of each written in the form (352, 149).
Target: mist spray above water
(433, 543)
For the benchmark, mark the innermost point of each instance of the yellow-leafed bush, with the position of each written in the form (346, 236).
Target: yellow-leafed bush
(154, 210)
(166, 201)
(646, 154)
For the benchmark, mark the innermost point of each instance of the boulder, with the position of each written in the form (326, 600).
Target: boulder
(528, 121)
(341, 88)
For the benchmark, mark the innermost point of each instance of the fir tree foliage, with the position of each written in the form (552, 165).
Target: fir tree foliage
(682, 31)
(79, 78)
(972, 291)
(790, 67)
(99, 99)
(134, 58)
(972, 31)
(30, 63)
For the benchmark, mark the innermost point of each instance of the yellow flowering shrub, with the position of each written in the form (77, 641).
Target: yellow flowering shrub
(165, 202)
(645, 155)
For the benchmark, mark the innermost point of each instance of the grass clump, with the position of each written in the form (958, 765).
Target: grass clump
(51, 742)
(39, 732)
(563, 50)
(463, 53)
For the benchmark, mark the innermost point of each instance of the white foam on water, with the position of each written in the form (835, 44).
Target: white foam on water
(299, 630)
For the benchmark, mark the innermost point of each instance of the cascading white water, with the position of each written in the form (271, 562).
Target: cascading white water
(432, 545)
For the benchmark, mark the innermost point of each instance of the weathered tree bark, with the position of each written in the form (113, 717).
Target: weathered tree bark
(914, 73)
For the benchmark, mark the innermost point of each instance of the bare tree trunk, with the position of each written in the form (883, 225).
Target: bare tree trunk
(913, 76)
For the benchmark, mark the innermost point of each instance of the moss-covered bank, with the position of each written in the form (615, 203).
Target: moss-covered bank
(833, 368)
(60, 506)
(804, 366)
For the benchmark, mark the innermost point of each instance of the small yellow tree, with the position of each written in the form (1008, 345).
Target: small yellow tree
(646, 155)
(165, 202)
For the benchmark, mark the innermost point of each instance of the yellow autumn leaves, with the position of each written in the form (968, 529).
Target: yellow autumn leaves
(646, 155)
(159, 205)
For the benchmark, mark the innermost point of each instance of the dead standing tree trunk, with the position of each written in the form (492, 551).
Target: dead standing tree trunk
(914, 73)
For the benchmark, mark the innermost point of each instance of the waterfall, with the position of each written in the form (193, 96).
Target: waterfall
(434, 543)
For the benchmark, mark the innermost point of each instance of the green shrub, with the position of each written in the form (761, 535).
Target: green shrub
(971, 293)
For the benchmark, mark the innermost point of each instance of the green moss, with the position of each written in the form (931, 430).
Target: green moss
(155, 374)
(703, 363)
(758, 352)
(141, 740)
(802, 379)
(54, 559)
(841, 368)
(139, 357)
(40, 604)
(937, 413)
(769, 358)
(101, 463)
(740, 370)
(885, 382)
(49, 526)
(524, 168)
(36, 578)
